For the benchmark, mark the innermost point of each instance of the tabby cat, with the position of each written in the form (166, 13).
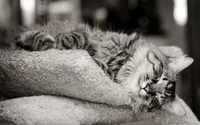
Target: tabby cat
(147, 71)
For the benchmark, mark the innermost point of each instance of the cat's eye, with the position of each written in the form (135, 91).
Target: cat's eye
(165, 79)
(156, 79)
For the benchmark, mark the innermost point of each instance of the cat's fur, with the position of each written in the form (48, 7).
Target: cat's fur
(148, 72)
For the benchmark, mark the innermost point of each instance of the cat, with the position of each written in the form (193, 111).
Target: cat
(148, 72)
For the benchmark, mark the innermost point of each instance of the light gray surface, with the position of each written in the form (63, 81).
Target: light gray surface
(62, 73)
(59, 110)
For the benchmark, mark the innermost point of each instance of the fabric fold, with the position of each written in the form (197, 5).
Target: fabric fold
(62, 73)
(52, 110)
(67, 88)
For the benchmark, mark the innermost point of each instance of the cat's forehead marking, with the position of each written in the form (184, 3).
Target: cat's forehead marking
(164, 62)
(160, 55)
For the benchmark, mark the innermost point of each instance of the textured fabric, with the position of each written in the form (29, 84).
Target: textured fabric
(63, 73)
(43, 76)
(51, 110)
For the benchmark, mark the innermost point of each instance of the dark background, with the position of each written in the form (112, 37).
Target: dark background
(163, 22)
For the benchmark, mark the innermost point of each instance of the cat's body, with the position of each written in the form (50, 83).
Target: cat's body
(109, 49)
(148, 72)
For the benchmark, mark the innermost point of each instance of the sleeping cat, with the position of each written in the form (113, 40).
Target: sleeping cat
(148, 72)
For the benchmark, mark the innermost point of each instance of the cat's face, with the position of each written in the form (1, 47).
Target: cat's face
(150, 74)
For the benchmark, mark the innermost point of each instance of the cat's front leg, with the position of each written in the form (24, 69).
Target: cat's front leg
(75, 39)
(35, 41)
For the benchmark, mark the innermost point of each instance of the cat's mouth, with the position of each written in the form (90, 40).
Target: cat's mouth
(146, 88)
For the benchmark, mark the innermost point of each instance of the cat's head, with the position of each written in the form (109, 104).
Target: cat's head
(150, 74)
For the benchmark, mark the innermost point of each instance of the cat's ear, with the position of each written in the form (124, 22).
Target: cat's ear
(180, 63)
(133, 42)
(171, 51)
(174, 107)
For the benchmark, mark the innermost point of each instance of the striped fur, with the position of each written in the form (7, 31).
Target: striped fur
(35, 40)
(141, 67)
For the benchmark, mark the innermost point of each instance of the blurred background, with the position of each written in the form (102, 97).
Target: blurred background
(163, 22)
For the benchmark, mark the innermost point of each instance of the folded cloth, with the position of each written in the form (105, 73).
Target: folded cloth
(62, 73)
(70, 74)
(51, 110)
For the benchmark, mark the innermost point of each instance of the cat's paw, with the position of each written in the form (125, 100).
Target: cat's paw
(71, 40)
(35, 41)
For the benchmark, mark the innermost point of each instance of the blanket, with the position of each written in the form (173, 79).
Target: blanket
(67, 88)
